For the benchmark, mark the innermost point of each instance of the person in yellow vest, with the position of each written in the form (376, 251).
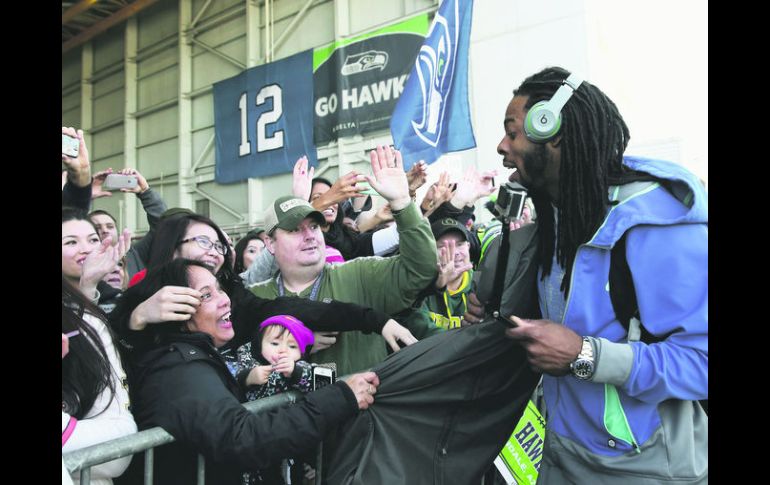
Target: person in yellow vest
(448, 303)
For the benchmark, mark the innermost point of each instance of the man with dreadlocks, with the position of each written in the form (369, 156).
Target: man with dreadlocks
(619, 407)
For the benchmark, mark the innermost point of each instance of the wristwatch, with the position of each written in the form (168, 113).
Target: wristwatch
(583, 366)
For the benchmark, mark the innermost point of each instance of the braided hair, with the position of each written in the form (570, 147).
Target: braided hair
(593, 140)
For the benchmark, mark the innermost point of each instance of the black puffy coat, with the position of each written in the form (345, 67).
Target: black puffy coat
(184, 386)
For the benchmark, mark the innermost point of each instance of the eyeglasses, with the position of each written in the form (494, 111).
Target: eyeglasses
(205, 243)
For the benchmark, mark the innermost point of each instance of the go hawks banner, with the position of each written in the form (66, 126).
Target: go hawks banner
(357, 82)
(262, 116)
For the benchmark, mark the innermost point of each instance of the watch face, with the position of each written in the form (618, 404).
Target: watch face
(583, 369)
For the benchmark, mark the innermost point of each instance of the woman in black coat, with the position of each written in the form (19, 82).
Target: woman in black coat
(181, 383)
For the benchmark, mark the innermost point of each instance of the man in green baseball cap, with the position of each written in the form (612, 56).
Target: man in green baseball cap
(387, 284)
(288, 212)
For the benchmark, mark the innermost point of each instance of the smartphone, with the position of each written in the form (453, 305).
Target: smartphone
(368, 190)
(70, 146)
(323, 376)
(115, 181)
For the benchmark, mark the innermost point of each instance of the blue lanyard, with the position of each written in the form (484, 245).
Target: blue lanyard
(313, 293)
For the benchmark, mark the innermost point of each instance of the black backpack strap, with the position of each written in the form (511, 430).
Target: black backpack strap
(623, 295)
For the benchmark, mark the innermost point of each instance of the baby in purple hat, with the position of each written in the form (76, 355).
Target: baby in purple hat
(272, 362)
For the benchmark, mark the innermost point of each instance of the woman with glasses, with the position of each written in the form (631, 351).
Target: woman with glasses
(196, 237)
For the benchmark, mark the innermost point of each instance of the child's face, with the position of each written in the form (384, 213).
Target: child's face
(279, 342)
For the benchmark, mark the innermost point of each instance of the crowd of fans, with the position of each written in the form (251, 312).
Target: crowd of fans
(179, 328)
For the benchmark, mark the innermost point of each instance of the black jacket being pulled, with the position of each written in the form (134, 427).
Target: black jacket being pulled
(443, 411)
(184, 386)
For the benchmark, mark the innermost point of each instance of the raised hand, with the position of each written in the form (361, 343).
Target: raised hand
(416, 176)
(343, 188)
(78, 169)
(445, 264)
(169, 304)
(102, 261)
(389, 179)
(142, 184)
(438, 193)
(302, 179)
(97, 184)
(472, 187)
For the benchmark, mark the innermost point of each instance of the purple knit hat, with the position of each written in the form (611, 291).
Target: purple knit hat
(302, 334)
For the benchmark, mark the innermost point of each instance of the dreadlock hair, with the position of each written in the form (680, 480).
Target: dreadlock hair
(593, 140)
(85, 371)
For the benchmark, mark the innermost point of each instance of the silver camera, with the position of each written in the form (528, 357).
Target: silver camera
(510, 201)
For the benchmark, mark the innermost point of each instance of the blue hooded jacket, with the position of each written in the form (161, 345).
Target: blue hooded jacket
(617, 412)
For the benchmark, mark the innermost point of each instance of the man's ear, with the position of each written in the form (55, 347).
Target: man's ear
(269, 245)
(555, 142)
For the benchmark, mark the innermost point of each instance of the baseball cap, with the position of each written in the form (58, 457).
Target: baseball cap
(287, 212)
(447, 224)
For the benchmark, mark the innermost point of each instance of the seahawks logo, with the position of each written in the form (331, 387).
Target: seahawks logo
(364, 61)
(435, 66)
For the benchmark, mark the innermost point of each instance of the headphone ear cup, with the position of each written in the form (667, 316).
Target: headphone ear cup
(541, 124)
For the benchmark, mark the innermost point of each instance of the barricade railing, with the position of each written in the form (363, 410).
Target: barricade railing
(83, 459)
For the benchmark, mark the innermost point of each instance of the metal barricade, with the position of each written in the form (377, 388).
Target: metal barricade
(83, 459)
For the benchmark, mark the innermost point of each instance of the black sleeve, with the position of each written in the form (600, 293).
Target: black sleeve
(349, 211)
(132, 342)
(153, 206)
(302, 377)
(241, 377)
(249, 310)
(445, 210)
(74, 196)
(363, 245)
(198, 410)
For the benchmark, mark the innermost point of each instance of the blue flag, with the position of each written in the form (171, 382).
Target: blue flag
(432, 115)
(263, 119)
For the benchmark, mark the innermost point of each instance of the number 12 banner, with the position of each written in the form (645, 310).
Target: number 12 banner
(263, 119)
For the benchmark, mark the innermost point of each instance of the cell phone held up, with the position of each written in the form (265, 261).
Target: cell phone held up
(70, 146)
(116, 181)
(323, 376)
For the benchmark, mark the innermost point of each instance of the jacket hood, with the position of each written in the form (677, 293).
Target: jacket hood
(678, 197)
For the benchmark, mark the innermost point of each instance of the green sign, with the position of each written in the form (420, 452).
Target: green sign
(523, 452)
(357, 82)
